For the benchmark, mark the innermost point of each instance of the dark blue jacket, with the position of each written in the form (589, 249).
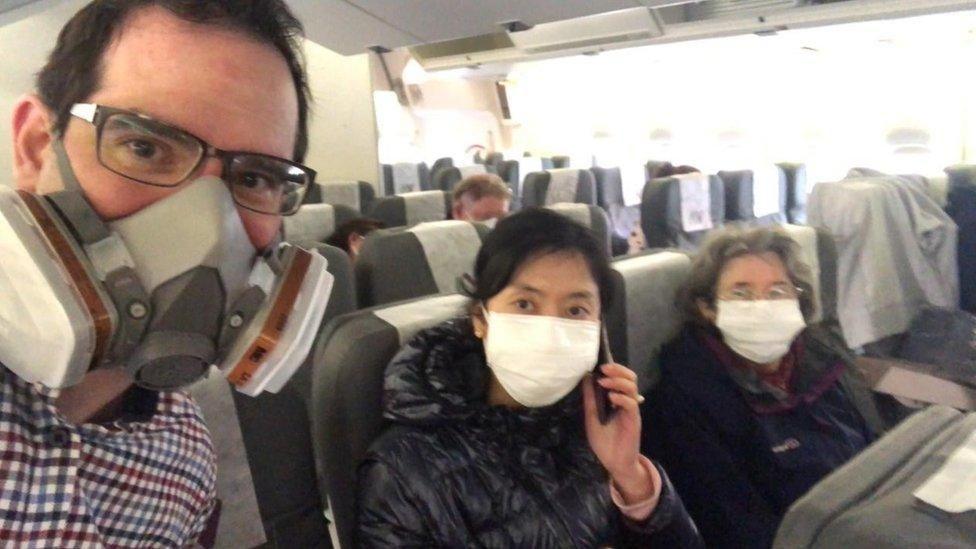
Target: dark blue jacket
(740, 455)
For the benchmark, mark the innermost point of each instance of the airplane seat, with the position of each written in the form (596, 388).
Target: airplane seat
(412, 208)
(591, 217)
(908, 489)
(819, 253)
(425, 259)
(494, 160)
(446, 179)
(755, 197)
(441, 163)
(875, 224)
(643, 314)
(347, 406)
(654, 168)
(314, 223)
(678, 212)
(358, 195)
(514, 173)
(961, 207)
(405, 177)
(560, 185)
(561, 162)
(508, 170)
(254, 436)
(624, 216)
(796, 192)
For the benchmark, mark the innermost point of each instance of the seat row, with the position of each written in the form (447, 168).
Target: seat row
(353, 350)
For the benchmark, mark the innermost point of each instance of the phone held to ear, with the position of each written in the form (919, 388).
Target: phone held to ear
(604, 408)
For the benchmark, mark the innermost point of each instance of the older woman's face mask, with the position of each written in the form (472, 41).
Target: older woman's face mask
(757, 308)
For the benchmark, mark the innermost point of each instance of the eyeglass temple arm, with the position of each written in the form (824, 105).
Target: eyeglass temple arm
(85, 111)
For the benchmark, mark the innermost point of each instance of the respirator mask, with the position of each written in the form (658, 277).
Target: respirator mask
(163, 293)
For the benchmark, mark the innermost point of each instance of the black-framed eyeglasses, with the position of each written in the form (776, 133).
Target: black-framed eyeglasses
(145, 150)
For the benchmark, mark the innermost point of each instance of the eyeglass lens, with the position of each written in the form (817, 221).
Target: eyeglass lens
(157, 154)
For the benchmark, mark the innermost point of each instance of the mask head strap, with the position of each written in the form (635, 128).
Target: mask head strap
(68, 178)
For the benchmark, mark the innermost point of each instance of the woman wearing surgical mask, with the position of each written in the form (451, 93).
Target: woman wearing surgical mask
(755, 405)
(495, 438)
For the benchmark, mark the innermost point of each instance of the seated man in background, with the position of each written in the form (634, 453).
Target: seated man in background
(482, 197)
(754, 405)
(350, 235)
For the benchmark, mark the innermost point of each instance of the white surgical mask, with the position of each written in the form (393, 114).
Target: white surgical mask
(761, 331)
(540, 359)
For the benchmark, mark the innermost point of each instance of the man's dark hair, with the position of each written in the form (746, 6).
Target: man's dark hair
(74, 69)
(527, 235)
(362, 226)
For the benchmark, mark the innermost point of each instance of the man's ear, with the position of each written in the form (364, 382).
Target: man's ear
(32, 137)
(457, 211)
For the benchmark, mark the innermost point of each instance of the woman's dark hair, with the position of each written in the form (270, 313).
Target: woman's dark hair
(73, 70)
(361, 226)
(531, 233)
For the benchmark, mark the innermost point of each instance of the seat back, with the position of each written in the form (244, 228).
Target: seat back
(514, 173)
(441, 163)
(591, 217)
(819, 252)
(314, 223)
(561, 162)
(643, 314)
(409, 209)
(613, 196)
(890, 494)
(756, 197)
(358, 195)
(796, 192)
(426, 259)
(405, 177)
(560, 185)
(654, 168)
(677, 212)
(961, 207)
(347, 406)
(446, 179)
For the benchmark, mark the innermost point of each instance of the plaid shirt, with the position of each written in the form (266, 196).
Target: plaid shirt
(148, 483)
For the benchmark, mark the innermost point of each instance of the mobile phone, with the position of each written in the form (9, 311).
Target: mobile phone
(604, 408)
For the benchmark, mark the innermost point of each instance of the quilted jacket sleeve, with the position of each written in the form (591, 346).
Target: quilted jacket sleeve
(668, 526)
(387, 515)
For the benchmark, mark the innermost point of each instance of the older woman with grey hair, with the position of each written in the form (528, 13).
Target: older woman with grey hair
(755, 403)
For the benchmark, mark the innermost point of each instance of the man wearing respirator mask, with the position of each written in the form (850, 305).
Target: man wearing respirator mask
(141, 247)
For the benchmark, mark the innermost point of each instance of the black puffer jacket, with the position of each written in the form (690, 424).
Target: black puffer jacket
(455, 472)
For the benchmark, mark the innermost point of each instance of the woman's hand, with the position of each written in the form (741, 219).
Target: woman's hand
(617, 444)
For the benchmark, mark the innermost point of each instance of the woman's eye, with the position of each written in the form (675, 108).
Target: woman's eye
(523, 305)
(577, 311)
